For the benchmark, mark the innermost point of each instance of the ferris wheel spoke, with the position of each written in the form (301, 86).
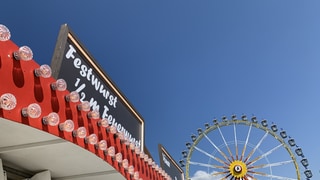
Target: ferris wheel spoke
(208, 165)
(265, 154)
(224, 173)
(271, 165)
(209, 155)
(256, 147)
(272, 176)
(225, 142)
(216, 147)
(235, 139)
(246, 143)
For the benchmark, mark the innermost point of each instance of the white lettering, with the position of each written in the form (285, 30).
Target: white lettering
(165, 160)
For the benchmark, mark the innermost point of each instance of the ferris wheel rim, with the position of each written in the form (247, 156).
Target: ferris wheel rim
(235, 122)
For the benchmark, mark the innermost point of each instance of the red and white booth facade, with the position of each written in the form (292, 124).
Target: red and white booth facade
(47, 132)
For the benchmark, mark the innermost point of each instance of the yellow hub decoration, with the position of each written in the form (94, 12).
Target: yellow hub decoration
(238, 169)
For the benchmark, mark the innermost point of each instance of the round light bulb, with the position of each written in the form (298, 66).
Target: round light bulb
(67, 126)
(131, 170)
(8, 101)
(4, 33)
(84, 106)
(73, 97)
(59, 85)
(119, 157)
(103, 122)
(137, 150)
(24, 53)
(102, 145)
(43, 71)
(146, 157)
(94, 114)
(142, 155)
(125, 164)
(132, 146)
(136, 175)
(91, 139)
(32, 111)
(52, 119)
(113, 129)
(81, 132)
(111, 151)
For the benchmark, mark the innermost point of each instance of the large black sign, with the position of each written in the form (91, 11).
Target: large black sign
(76, 66)
(169, 165)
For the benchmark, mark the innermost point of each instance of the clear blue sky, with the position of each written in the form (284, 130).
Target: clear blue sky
(183, 62)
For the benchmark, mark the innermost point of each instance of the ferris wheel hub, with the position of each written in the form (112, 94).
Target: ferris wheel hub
(238, 169)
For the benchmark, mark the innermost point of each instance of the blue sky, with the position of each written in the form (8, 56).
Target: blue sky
(182, 63)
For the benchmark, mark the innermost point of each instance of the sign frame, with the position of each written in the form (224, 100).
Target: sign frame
(162, 151)
(66, 34)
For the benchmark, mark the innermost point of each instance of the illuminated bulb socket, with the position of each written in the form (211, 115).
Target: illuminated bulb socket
(81, 132)
(84, 106)
(131, 170)
(136, 175)
(142, 155)
(59, 85)
(153, 165)
(91, 139)
(121, 136)
(32, 111)
(94, 114)
(119, 157)
(111, 151)
(43, 71)
(132, 146)
(5, 34)
(145, 157)
(125, 164)
(137, 150)
(157, 167)
(24, 53)
(8, 101)
(73, 97)
(102, 145)
(67, 126)
(112, 129)
(103, 122)
(52, 119)
(150, 161)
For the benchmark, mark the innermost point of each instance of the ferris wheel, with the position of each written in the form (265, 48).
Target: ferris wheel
(243, 149)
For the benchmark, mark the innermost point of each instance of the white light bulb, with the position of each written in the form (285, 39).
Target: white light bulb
(91, 139)
(43, 71)
(103, 122)
(94, 114)
(84, 106)
(52, 119)
(111, 151)
(81, 132)
(119, 157)
(67, 126)
(113, 129)
(102, 145)
(59, 85)
(24, 53)
(125, 164)
(8, 101)
(136, 175)
(73, 97)
(4, 33)
(131, 169)
(32, 111)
